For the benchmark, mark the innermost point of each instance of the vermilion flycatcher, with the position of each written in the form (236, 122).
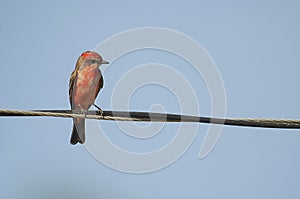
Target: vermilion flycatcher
(85, 83)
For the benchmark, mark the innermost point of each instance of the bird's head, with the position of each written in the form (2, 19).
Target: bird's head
(92, 58)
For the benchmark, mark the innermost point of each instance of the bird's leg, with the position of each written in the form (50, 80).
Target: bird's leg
(83, 111)
(99, 109)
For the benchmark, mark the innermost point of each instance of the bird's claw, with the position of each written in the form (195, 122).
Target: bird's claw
(100, 111)
(84, 112)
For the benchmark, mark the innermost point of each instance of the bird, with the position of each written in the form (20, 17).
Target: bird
(85, 83)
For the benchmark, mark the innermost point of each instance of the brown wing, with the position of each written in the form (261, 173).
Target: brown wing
(73, 77)
(71, 85)
(100, 85)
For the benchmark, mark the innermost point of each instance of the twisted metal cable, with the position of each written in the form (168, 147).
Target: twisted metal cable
(157, 117)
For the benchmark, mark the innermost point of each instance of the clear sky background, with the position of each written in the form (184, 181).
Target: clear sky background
(255, 45)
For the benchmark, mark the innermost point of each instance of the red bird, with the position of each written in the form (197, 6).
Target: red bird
(85, 83)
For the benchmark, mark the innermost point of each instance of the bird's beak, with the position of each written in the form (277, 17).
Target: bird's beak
(104, 62)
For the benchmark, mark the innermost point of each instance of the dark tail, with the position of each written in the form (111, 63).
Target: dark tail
(78, 133)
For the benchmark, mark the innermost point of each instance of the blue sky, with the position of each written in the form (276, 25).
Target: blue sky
(255, 45)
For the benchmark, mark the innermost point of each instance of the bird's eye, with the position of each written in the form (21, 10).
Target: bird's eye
(93, 61)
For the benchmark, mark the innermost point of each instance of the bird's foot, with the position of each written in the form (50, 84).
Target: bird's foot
(100, 111)
(84, 112)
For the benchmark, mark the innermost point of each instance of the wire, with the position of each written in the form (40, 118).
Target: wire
(156, 117)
